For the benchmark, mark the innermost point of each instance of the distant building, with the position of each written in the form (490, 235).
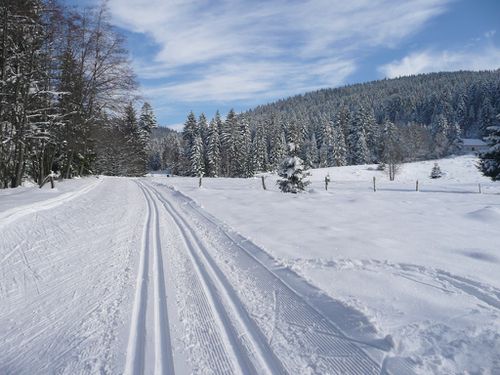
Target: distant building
(473, 146)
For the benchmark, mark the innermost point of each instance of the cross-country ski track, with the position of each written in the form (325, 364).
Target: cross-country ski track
(135, 278)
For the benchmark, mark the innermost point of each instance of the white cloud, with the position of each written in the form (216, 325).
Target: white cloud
(227, 49)
(246, 80)
(177, 126)
(486, 58)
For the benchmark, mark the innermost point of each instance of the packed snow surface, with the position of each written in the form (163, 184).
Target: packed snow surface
(155, 275)
(423, 267)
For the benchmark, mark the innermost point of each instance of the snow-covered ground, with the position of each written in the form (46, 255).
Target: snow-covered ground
(424, 267)
(154, 275)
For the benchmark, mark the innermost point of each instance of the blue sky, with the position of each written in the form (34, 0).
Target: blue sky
(204, 55)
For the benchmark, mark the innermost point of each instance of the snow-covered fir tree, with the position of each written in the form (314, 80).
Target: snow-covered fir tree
(277, 148)
(310, 152)
(244, 166)
(455, 138)
(441, 129)
(339, 152)
(489, 163)
(133, 158)
(229, 139)
(436, 171)
(326, 150)
(213, 150)
(259, 149)
(358, 148)
(203, 127)
(292, 172)
(147, 122)
(371, 131)
(203, 131)
(147, 119)
(190, 132)
(197, 165)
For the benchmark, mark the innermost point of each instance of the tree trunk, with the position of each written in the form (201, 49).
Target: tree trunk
(19, 167)
(68, 167)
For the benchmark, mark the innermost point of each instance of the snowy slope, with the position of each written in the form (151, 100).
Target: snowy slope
(423, 266)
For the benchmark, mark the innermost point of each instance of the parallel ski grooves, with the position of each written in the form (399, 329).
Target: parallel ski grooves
(137, 335)
(163, 363)
(163, 350)
(218, 286)
(295, 318)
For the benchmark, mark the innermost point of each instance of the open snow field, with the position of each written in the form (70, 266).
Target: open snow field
(423, 267)
(154, 275)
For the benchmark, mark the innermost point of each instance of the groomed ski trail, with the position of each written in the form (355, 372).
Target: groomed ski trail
(246, 346)
(138, 340)
(146, 282)
(276, 330)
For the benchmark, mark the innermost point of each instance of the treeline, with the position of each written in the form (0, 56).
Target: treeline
(469, 99)
(386, 122)
(66, 92)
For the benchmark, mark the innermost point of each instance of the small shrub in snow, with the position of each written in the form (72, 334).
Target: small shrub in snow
(293, 172)
(436, 171)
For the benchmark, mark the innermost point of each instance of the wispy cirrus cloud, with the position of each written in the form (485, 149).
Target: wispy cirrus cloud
(234, 49)
(485, 58)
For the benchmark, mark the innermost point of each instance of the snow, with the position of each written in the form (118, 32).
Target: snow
(473, 142)
(423, 266)
(155, 275)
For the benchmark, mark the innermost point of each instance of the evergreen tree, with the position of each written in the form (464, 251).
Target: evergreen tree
(243, 162)
(371, 132)
(189, 134)
(441, 129)
(486, 115)
(229, 141)
(135, 157)
(213, 150)
(277, 148)
(358, 149)
(326, 149)
(147, 121)
(293, 172)
(339, 152)
(489, 163)
(310, 152)
(436, 171)
(455, 138)
(323, 155)
(203, 131)
(197, 167)
(259, 149)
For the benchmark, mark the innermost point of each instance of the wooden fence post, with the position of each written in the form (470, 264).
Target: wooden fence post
(374, 186)
(479, 188)
(416, 186)
(199, 182)
(263, 182)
